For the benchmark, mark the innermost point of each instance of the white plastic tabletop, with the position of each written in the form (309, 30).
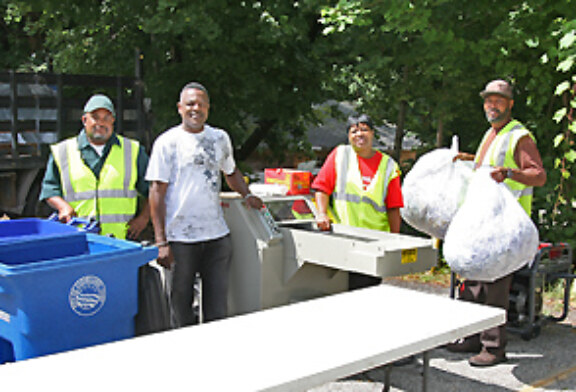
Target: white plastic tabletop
(289, 348)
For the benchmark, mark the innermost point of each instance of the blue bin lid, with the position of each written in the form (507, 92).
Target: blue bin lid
(19, 229)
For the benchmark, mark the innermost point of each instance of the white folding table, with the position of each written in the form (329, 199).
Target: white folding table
(289, 348)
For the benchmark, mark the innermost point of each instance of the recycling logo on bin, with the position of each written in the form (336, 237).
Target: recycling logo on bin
(87, 295)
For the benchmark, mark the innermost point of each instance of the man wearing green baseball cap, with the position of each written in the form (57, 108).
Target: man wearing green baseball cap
(99, 174)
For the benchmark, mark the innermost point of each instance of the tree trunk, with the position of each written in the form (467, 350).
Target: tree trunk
(440, 133)
(399, 130)
(248, 147)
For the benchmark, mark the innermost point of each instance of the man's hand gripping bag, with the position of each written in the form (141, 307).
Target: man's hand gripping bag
(434, 189)
(491, 235)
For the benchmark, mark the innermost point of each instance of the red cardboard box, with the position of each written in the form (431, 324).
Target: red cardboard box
(297, 181)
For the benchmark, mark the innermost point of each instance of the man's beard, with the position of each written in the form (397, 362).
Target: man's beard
(501, 116)
(99, 137)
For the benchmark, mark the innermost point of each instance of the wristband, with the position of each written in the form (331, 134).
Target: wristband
(161, 244)
(509, 173)
(249, 195)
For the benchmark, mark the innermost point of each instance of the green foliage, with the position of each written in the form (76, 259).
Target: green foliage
(17, 43)
(420, 64)
(425, 54)
(263, 62)
(437, 56)
(344, 14)
(561, 196)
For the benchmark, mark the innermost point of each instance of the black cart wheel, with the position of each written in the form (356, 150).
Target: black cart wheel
(532, 333)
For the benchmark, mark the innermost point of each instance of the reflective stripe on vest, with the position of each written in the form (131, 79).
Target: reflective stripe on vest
(355, 206)
(501, 153)
(112, 198)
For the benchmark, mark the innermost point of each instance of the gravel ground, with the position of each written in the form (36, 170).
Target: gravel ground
(549, 306)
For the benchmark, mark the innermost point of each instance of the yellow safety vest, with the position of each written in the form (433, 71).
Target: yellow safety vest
(501, 153)
(112, 198)
(355, 206)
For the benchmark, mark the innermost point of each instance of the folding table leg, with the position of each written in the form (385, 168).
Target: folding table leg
(387, 372)
(425, 370)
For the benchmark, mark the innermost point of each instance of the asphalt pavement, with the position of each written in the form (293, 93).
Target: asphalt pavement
(546, 363)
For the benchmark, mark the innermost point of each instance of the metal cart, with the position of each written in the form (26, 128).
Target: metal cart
(280, 257)
(552, 263)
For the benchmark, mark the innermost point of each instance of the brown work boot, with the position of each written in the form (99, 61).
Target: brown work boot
(488, 358)
(468, 345)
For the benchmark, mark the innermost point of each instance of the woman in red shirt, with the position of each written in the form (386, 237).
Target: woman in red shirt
(365, 175)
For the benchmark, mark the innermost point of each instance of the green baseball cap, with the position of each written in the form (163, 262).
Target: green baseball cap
(99, 101)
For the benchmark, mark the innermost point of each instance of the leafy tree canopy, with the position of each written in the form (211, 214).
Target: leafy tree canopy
(419, 65)
(264, 63)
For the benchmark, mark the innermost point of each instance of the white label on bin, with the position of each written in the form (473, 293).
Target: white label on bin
(87, 295)
(4, 316)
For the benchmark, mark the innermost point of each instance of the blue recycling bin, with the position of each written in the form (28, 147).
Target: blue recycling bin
(54, 300)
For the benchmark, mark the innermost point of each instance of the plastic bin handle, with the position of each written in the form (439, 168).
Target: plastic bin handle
(87, 225)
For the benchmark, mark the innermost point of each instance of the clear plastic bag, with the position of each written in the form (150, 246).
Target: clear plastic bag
(491, 235)
(434, 189)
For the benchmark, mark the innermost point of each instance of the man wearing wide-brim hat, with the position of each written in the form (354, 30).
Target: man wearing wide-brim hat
(510, 149)
(99, 174)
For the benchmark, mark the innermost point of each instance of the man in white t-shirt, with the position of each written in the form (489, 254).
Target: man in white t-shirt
(189, 227)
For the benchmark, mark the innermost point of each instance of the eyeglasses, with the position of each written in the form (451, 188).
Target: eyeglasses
(106, 118)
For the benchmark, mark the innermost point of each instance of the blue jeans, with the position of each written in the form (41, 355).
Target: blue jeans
(209, 259)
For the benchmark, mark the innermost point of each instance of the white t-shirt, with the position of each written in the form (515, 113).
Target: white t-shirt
(191, 163)
(98, 148)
